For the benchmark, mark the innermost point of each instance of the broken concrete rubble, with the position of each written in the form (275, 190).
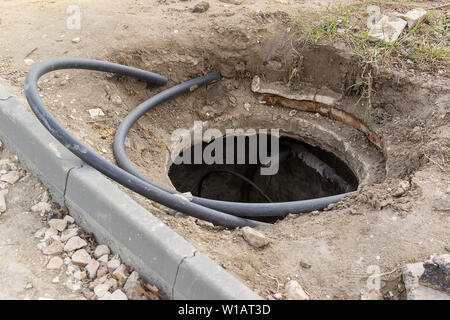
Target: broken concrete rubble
(254, 238)
(436, 273)
(388, 28)
(413, 16)
(420, 289)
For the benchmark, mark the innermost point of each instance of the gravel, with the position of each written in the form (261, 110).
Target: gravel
(54, 248)
(68, 233)
(118, 295)
(92, 268)
(200, 7)
(254, 238)
(113, 264)
(86, 269)
(81, 258)
(102, 270)
(101, 289)
(103, 258)
(107, 296)
(294, 291)
(11, 177)
(69, 219)
(55, 263)
(131, 284)
(101, 250)
(120, 273)
(41, 207)
(74, 243)
(278, 296)
(58, 224)
(51, 233)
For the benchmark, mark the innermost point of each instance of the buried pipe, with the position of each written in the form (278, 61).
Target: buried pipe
(308, 103)
(329, 112)
(224, 213)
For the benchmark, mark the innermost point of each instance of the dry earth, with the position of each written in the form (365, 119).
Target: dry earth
(23, 272)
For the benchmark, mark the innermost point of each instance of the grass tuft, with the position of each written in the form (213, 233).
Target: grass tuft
(424, 48)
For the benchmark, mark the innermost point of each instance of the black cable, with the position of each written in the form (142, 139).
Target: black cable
(94, 160)
(241, 209)
(219, 212)
(240, 176)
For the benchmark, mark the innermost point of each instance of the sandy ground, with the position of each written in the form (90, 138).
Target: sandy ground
(23, 272)
(329, 252)
(29, 270)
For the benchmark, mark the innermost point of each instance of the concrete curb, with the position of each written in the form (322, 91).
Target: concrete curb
(36, 148)
(159, 254)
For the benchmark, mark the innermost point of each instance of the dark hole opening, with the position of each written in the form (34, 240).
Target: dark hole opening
(304, 172)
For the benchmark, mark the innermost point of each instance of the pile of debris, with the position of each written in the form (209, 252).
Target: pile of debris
(91, 269)
(10, 173)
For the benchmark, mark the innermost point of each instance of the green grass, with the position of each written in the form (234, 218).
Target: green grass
(446, 154)
(427, 42)
(425, 47)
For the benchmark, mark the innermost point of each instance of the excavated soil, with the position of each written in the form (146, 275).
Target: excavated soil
(400, 213)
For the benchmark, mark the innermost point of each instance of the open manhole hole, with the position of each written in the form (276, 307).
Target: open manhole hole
(323, 154)
(260, 168)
